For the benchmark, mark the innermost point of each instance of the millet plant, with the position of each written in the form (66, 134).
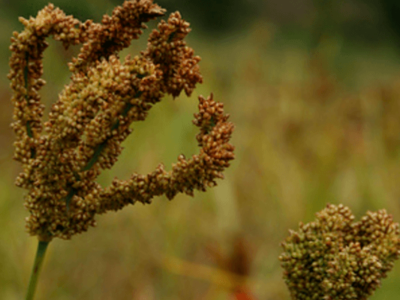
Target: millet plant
(62, 157)
(330, 258)
(336, 258)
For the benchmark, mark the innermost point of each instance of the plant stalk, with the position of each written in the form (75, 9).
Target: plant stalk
(41, 251)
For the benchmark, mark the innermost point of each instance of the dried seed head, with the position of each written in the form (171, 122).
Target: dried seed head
(334, 258)
(62, 158)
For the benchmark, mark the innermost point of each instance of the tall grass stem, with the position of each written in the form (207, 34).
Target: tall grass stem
(40, 253)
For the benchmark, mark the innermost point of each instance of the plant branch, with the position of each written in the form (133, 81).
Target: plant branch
(97, 153)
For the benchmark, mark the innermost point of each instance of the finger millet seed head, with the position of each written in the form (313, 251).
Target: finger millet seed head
(335, 258)
(62, 157)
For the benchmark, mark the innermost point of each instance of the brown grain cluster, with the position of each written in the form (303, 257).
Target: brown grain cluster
(334, 258)
(62, 157)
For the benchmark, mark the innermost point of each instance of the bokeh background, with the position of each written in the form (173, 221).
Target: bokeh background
(314, 90)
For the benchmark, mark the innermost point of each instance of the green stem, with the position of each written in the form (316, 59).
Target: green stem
(41, 251)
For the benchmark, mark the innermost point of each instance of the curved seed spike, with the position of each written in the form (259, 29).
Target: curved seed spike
(93, 114)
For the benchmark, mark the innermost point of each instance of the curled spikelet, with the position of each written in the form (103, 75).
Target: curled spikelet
(187, 175)
(334, 258)
(93, 115)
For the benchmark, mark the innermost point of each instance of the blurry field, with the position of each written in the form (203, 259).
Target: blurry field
(313, 125)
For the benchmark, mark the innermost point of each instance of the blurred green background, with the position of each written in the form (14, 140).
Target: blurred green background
(314, 90)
